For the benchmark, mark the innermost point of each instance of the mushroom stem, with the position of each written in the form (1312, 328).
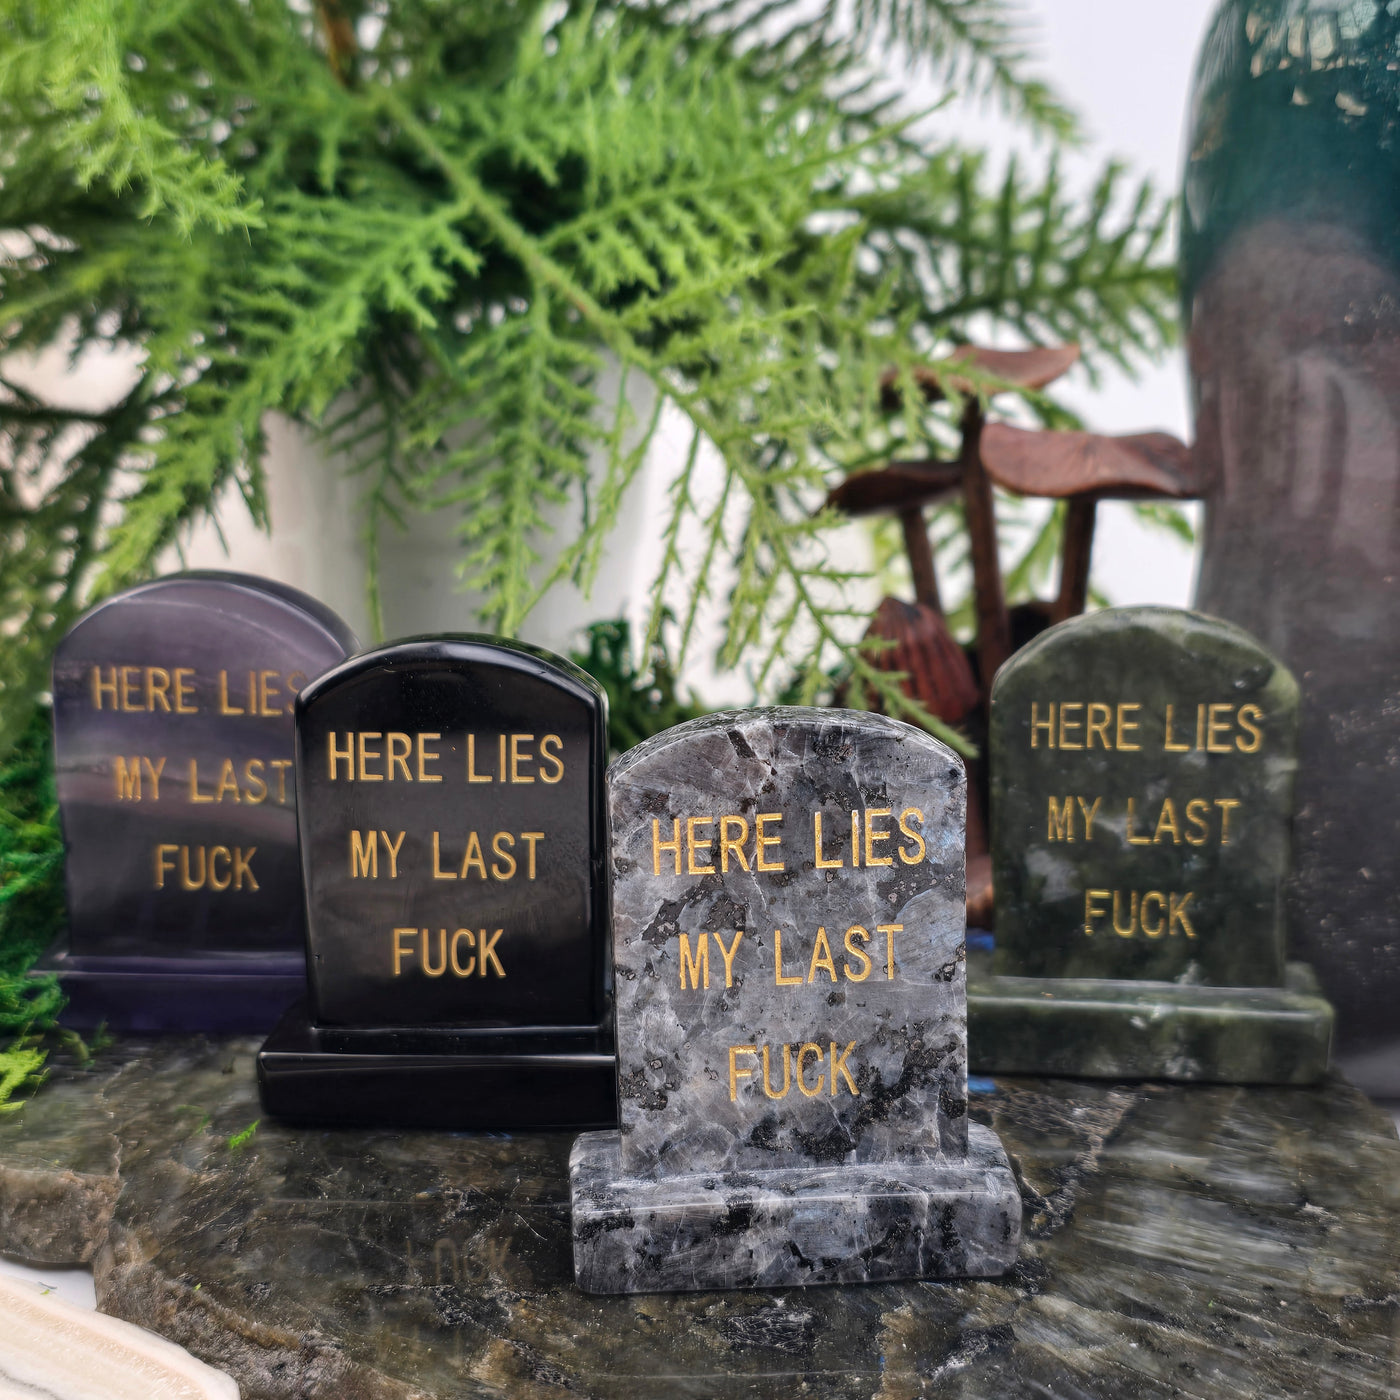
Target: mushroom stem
(993, 625)
(920, 552)
(1074, 559)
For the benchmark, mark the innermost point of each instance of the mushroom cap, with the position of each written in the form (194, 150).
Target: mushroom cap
(936, 669)
(1054, 464)
(1033, 368)
(899, 486)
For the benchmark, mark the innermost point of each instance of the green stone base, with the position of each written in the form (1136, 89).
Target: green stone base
(1093, 1029)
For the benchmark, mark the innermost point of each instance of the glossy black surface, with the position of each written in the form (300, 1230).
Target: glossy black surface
(442, 892)
(175, 786)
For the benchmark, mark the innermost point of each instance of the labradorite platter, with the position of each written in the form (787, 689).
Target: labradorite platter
(1144, 833)
(1186, 1241)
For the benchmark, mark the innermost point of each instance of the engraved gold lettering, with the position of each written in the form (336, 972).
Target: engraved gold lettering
(802, 1054)
(1128, 828)
(228, 782)
(160, 690)
(1092, 910)
(692, 845)
(188, 880)
(822, 862)
(1198, 820)
(529, 838)
(1218, 729)
(501, 871)
(728, 955)
(551, 758)
(1037, 724)
(778, 978)
(658, 845)
(214, 881)
(855, 840)
(821, 958)
(400, 952)
(128, 775)
(130, 679)
(732, 844)
(165, 864)
(855, 931)
(517, 757)
(472, 775)
(101, 687)
(787, 1075)
(1059, 820)
(440, 874)
(255, 789)
(763, 841)
(269, 698)
(1226, 805)
(427, 756)
(889, 930)
(472, 858)
(1089, 813)
(184, 677)
(1099, 718)
(398, 747)
(736, 1074)
(919, 847)
(243, 868)
(427, 962)
(1176, 914)
(460, 969)
(339, 755)
(368, 755)
(1167, 823)
(280, 766)
(697, 966)
(225, 706)
(195, 794)
(364, 855)
(1249, 718)
(1070, 724)
(1157, 929)
(1126, 726)
(391, 849)
(838, 1066)
(1132, 914)
(487, 954)
(1167, 737)
(872, 833)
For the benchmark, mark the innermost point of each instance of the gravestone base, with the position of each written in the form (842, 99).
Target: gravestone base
(1100, 1029)
(224, 995)
(868, 1223)
(430, 1077)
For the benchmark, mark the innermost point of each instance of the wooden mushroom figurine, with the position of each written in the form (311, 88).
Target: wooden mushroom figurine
(1083, 469)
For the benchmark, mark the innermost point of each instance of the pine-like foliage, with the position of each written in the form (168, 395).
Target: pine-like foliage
(427, 226)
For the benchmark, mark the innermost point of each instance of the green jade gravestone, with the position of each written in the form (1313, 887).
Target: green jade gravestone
(1143, 763)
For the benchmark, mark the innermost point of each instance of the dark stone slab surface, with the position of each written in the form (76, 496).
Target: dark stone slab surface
(1205, 1243)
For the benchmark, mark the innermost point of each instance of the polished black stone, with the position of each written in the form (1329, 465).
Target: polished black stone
(173, 749)
(452, 838)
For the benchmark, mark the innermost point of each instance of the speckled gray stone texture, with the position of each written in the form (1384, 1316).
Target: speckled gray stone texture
(798, 1225)
(794, 1105)
(908, 1064)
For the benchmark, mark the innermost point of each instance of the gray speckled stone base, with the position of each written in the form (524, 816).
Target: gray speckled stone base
(862, 1223)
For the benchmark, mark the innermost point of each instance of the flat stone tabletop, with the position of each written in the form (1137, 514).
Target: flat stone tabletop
(1182, 1241)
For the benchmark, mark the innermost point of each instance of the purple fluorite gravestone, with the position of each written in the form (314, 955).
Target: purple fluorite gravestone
(173, 756)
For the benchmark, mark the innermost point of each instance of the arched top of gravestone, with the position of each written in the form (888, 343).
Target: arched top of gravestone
(735, 724)
(462, 651)
(1179, 636)
(788, 936)
(202, 588)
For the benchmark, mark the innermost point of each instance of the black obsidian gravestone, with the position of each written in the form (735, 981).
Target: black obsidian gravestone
(172, 713)
(452, 839)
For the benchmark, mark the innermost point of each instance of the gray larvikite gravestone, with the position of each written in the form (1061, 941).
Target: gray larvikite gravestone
(788, 931)
(1143, 763)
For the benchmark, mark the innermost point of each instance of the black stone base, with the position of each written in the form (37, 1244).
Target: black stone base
(800, 1225)
(1094, 1029)
(217, 996)
(558, 1077)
